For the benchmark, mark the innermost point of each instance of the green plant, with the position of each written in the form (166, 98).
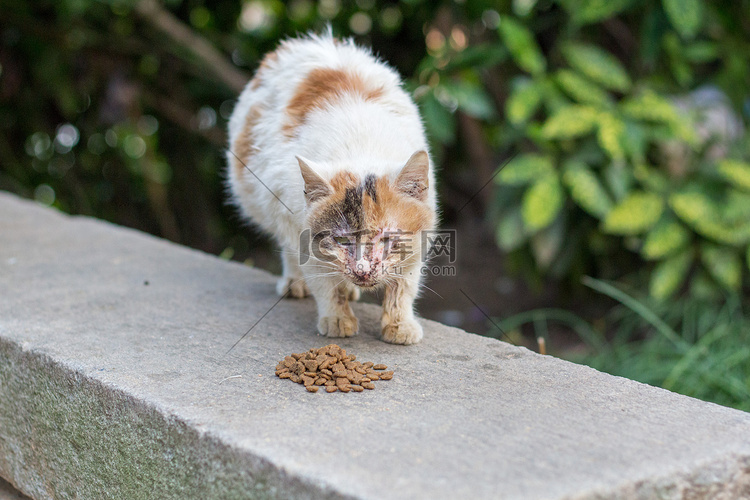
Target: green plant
(690, 346)
(615, 165)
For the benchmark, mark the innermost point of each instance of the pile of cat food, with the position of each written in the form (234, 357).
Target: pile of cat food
(333, 369)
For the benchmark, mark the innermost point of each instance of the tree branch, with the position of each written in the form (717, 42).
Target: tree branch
(163, 20)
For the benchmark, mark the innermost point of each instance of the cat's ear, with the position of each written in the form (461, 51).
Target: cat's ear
(413, 180)
(315, 186)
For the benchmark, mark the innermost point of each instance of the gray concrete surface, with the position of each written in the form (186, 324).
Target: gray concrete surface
(8, 492)
(115, 383)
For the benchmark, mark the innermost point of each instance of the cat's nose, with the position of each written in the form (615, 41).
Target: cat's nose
(363, 267)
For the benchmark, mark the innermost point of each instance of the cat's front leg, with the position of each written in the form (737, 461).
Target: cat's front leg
(398, 323)
(292, 282)
(335, 315)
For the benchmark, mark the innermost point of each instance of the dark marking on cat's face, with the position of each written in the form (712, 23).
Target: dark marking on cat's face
(370, 188)
(355, 225)
(352, 209)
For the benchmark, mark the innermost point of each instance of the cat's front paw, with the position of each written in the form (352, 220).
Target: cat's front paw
(338, 326)
(294, 287)
(353, 293)
(404, 332)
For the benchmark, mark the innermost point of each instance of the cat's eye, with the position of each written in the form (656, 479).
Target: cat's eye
(341, 240)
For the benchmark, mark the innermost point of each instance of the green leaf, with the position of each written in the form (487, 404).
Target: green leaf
(541, 203)
(685, 15)
(546, 244)
(635, 214)
(670, 274)
(523, 102)
(610, 135)
(635, 141)
(471, 98)
(580, 88)
(522, 7)
(593, 11)
(737, 172)
(619, 179)
(598, 65)
(439, 122)
(585, 189)
(664, 239)
(648, 105)
(510, 232)
(522, 46)
(570, 121)
(723, 264)
(747, 257)
(526, 168)
(701, 52)
(651, 178)
(701, 213)
(736, 210)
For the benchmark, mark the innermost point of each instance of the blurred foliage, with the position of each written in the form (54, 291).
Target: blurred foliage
(622, 120)
(629, 152)
(697, 348)
(118, 109)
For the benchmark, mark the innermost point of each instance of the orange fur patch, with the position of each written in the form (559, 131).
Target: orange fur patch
(396, 209)
(243, 145)
(322, 86)
(342, 181)
(269, 59)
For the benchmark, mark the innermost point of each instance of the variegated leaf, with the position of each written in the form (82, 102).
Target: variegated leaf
(737, 172)
(598, 65)
(580, 88)
(723, 264)
(522, 46)
(570, 121)
(610, 135)
(541, 203)
(637, 213)
(685, 15)
(664, 239)
(670, 274)
(585, 189)
(525, 168)
(523, 102)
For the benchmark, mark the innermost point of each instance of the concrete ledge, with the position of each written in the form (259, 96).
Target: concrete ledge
(114, 383)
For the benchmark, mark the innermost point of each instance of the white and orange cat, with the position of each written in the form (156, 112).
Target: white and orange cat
(328, 154)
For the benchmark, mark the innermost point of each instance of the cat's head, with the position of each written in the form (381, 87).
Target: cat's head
(368, 228)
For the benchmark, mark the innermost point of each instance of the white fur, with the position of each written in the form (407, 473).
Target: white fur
(364, 137)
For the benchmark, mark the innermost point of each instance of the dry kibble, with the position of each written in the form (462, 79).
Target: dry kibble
(332, 368)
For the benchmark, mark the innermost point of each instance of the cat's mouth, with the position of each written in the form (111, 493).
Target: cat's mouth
(362, 281)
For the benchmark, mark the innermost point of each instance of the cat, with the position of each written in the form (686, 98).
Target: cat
(328, 154)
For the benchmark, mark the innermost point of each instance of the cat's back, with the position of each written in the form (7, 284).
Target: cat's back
(315, 73)
(324, 99)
